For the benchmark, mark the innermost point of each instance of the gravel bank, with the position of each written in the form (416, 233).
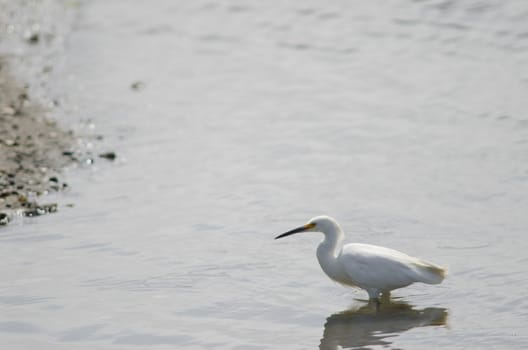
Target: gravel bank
(33, 147)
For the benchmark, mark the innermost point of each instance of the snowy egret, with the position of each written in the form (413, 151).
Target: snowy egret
(373, 268)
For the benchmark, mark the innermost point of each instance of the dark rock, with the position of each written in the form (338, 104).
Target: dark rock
(34, 38)
(4, 219)
(23, 97)
(108, 155)
(137, 85)
(40, 209)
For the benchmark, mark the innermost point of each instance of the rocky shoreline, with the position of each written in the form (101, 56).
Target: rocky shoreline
(33, 147)
(33, 150)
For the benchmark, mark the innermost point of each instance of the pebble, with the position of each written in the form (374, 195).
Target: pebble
(8, 111)
(40, 209)
(108, 155)
(4, 219)
(137, 85)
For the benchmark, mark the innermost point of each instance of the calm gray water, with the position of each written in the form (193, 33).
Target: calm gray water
(406, 120)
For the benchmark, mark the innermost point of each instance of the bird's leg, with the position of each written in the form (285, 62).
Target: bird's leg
(374, 303)
(374, 298)
(373, 294)
(378, 304)
(385, 297)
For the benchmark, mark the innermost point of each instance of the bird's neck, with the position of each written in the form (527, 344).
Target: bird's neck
(327, 253)
(332, 242)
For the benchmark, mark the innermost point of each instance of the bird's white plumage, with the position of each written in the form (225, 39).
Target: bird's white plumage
(373, 268)
(381, 269)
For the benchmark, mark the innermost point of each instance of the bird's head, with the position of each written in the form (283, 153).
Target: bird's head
(321, 223)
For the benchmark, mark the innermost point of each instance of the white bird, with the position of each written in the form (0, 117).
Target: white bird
(373, 268)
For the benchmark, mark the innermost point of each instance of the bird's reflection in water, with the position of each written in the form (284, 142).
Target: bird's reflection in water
(372, 326)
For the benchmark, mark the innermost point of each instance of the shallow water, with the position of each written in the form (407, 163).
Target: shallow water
(405, 121)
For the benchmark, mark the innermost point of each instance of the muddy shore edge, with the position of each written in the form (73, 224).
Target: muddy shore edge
(34, 148)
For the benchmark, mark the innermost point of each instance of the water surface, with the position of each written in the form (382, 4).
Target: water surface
(408, 122)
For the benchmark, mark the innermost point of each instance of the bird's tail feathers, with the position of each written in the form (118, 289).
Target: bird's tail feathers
(430, 273)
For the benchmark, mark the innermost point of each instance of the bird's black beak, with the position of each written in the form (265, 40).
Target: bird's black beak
(296, 230)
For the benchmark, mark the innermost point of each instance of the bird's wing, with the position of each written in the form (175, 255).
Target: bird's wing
(378, 267)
